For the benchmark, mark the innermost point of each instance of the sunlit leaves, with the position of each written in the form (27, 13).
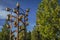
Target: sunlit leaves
(48, 17)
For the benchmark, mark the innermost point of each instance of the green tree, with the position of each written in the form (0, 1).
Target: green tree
(4, 34)
(0, 36)
(29, 35)
(35, 34)
(48, 19)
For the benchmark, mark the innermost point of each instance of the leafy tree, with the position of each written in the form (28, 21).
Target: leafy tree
(48, 20)
(29, 35)
(4, 34)
(0, 36)
(35, 35)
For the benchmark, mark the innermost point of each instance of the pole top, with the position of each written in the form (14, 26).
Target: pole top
(18, 5)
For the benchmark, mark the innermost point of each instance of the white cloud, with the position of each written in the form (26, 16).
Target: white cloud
(3, 13)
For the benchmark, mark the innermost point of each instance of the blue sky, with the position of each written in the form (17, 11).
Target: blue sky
(32, 4)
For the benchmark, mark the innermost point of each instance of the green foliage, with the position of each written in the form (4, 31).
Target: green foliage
(21, 37)
(0, 36)
(29, 35)
(48, 20)
(4, 34)
(35, 35)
